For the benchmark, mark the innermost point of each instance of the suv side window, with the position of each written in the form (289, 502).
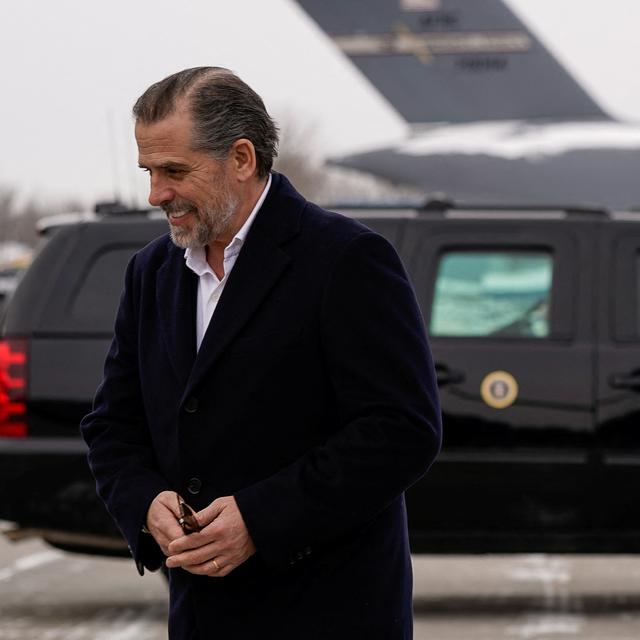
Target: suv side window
(96, 300)
(624, 276)
(492, 293)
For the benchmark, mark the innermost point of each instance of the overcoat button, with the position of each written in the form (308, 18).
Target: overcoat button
(194, 486)
(191, 405)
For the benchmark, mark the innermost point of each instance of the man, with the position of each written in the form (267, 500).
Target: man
(270, 367)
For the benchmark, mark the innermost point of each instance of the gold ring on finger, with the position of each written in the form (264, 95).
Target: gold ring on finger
(216, 565)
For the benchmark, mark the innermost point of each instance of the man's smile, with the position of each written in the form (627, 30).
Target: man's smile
(177, 215)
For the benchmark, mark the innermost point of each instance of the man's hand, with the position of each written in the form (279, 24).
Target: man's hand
(223, 543)
(162, 520)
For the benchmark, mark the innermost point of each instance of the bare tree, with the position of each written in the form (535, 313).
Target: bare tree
(6, 209)
(297, 160)
(18, 220)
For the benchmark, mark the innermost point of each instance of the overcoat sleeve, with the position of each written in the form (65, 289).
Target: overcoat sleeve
(116, 431)
(380, 370)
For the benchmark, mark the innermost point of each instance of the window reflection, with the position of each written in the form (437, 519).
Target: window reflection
(492, 293)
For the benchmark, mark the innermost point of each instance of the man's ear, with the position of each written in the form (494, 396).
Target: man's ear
(242, 159)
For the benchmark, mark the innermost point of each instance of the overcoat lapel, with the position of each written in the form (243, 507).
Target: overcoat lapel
(176, 297)
(257, 269)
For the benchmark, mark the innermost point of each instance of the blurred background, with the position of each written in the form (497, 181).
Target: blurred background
(71, 71)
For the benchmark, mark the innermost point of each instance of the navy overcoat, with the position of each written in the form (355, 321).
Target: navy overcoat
(312, 400)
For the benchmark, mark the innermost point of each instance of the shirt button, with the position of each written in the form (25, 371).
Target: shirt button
(194, 486)
(191, 405)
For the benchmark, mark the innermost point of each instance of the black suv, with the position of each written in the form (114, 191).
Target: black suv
(534, 321)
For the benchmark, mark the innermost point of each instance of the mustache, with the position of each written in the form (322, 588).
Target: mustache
(177, 206)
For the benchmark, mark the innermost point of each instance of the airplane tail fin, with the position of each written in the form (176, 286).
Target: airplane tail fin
(453, 60)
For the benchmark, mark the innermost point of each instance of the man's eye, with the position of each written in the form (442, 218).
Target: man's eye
(174, 172)
(145, 169)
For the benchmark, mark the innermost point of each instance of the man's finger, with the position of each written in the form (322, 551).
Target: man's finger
(194, 540)
(214, 568)
(210, 513)
(166, 534)
(194, 556)
(161, 519)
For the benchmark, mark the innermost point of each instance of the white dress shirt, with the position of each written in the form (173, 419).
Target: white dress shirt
(209, 286)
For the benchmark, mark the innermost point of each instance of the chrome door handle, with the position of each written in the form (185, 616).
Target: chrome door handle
(446, 376)
(625, 381)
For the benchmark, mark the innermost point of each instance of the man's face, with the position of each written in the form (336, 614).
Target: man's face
(193, 189)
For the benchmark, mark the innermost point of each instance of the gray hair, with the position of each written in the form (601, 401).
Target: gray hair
(223, 108)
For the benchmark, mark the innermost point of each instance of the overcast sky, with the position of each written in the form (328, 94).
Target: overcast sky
(71, 69)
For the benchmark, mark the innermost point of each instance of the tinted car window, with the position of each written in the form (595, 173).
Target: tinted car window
(97, 298)
(492, 293)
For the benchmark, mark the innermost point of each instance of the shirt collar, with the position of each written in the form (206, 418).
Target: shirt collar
(244, 229)
(196, 259)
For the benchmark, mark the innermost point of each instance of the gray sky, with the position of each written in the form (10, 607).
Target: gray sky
(71, 69)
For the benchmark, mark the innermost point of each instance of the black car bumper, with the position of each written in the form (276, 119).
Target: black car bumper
(46, 485)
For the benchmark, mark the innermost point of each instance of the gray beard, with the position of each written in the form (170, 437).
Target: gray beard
(209, 224)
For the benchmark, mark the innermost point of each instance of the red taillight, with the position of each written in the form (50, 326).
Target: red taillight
(13, 388)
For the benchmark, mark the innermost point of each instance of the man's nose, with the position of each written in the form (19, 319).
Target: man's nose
(159, 192)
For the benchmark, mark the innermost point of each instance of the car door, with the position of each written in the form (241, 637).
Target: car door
(618, 397)
(508, 312)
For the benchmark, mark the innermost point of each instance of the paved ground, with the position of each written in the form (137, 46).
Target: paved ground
(527, 597)
(50, 595)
